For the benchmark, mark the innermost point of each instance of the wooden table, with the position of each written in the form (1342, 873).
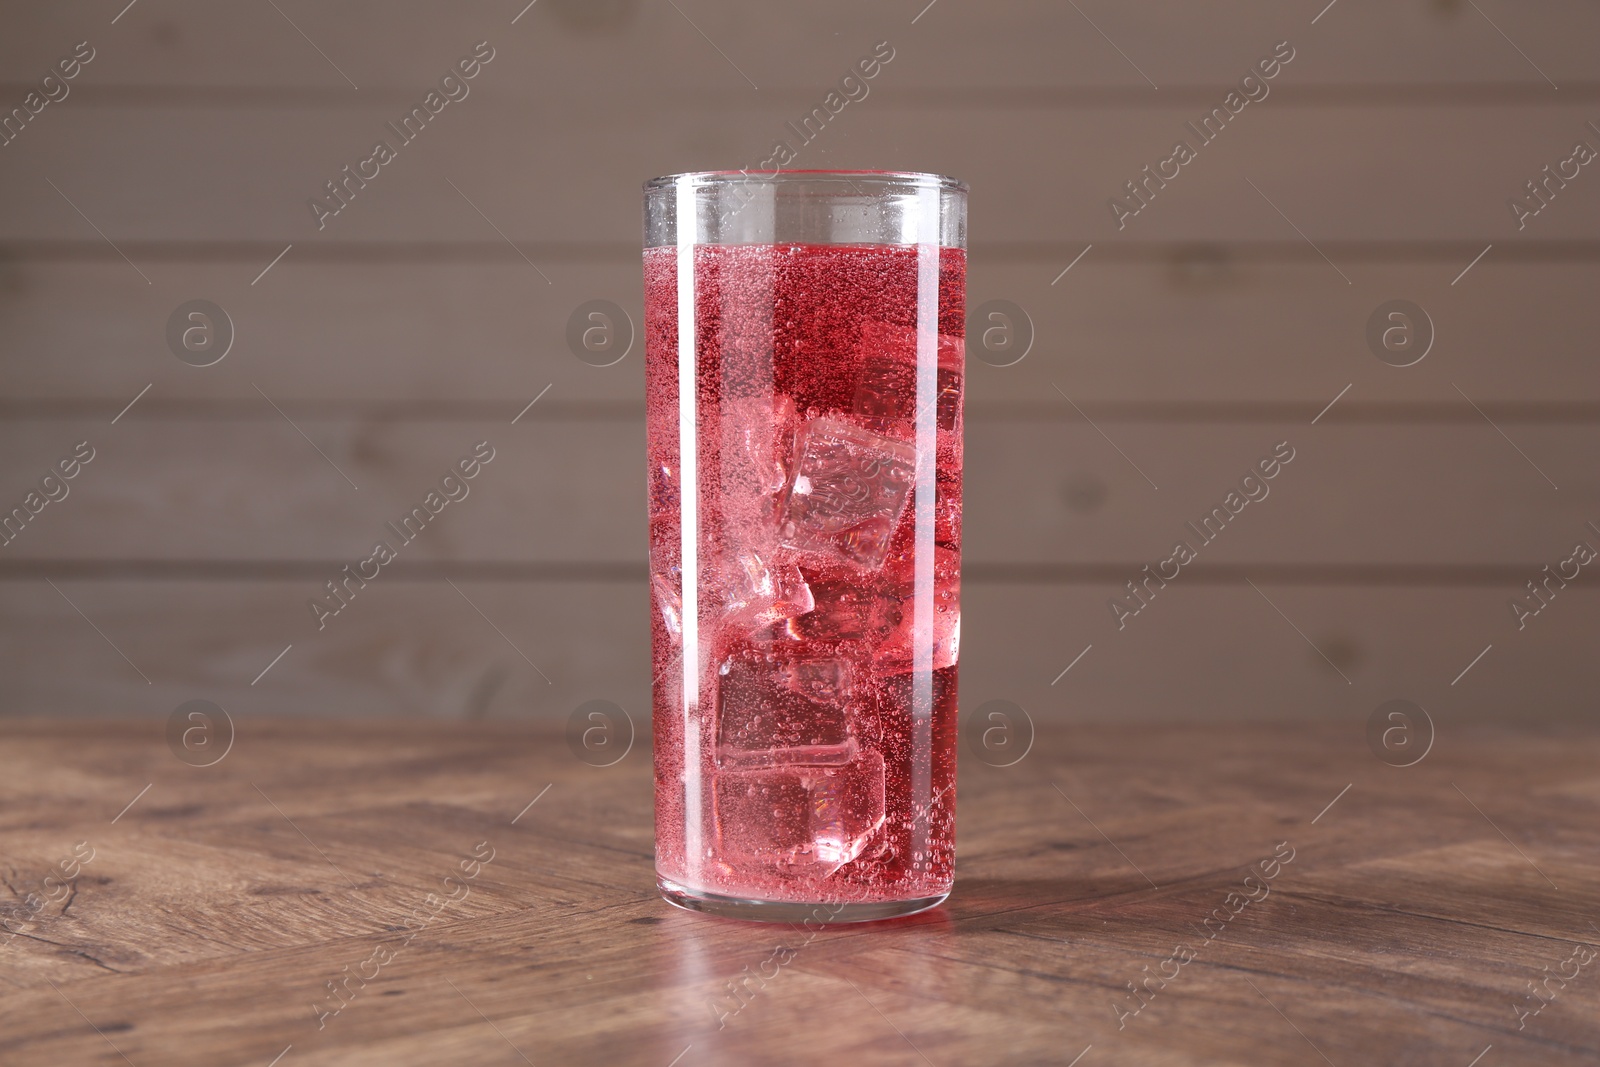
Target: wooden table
(207, 917)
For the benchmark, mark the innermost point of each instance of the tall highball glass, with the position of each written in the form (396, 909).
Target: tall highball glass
(804, 347)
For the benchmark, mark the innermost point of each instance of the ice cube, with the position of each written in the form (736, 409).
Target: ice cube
(758, 441)
(669, 601)
(896, 652)
(663, 489)
(947, 509)
(850, 487)
(765, 719)
(886, 393)
(811, 820)
(948, 398)
(843, 611)
(887, 389)
(826, 681)
(847, 808)
(760, 594)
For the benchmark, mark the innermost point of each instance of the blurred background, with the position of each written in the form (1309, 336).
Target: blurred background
(354, 358)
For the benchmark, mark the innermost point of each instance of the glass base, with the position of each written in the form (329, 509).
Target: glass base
(791, 911)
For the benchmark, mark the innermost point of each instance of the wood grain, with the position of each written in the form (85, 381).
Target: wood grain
(1404, 929)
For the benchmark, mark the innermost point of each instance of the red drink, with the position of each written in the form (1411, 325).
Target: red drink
(813, 757)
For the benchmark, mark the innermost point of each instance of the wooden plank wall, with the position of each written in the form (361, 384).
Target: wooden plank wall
(424, 316)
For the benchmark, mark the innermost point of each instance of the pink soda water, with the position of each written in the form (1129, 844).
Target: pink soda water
(805, 569)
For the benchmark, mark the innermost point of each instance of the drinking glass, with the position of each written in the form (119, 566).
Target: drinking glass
(804, 348)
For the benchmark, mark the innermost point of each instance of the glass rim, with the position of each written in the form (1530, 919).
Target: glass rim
(707, 178)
